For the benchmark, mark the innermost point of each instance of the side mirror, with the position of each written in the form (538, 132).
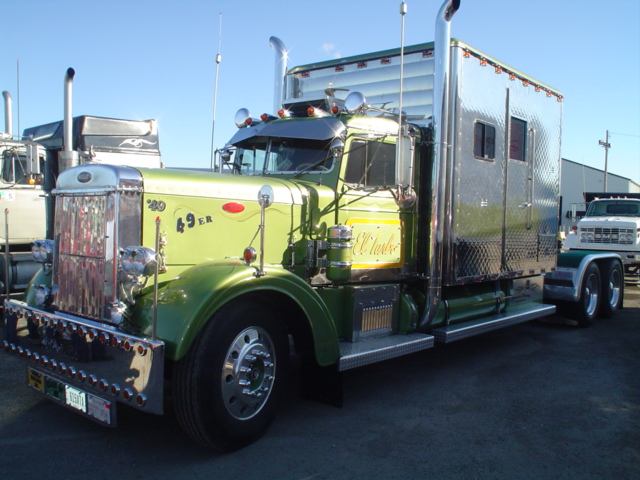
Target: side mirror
(337, 147)
(404, 161)
(265, 196)
(34, 152)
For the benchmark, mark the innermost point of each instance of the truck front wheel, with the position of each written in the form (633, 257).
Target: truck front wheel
(227, 388)
(612, 289)
(589, 300)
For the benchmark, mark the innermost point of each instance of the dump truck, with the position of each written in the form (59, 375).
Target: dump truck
(32, 162)
(356, 230)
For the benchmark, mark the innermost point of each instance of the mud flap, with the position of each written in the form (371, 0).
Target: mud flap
(322, 384)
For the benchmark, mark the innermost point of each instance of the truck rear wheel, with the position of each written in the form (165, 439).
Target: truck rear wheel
(227, 388)
(589, 301)
(612, 289)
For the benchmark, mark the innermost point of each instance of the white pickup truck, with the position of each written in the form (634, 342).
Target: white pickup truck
(612, 225)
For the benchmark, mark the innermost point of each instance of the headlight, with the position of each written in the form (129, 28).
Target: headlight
(42, 251)
(116, 312)
(42, 295)
(586, 237)
(138, 261)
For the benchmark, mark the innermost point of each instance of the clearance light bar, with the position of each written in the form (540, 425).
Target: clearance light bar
(512, 75)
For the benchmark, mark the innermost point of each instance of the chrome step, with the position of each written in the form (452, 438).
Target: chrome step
(372, 350)
(451, 333)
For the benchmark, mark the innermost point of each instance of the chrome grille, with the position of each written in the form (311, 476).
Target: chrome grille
(608, 236)
(98, 210)
(83, 275)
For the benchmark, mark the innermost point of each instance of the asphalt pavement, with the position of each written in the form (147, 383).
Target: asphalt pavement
(540, 400)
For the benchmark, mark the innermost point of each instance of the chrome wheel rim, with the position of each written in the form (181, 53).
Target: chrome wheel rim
(615, 288)
(591, 295)
(248, 373)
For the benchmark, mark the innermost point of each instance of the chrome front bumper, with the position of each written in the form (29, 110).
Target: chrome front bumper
(64, 352)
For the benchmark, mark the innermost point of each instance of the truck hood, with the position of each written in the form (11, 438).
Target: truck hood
(215, 185)
(609, 222)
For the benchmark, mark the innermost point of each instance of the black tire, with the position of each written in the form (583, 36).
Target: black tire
(612, 289)
(589, 301)
(227, 388)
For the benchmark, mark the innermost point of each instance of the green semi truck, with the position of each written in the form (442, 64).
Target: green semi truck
(354, 230)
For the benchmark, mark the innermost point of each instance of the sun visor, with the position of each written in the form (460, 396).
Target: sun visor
(325, 128)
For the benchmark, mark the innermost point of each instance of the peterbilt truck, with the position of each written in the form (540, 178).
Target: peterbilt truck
(31, 164)
(610, 224)
(355, 233)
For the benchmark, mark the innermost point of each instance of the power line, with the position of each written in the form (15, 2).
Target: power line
(624, 134)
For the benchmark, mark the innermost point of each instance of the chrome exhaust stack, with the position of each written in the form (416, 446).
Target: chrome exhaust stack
(67, 157)
(280, 72)
(8, 118)
(440, 122)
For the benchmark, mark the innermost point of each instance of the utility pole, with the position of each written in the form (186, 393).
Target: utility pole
(606, 146)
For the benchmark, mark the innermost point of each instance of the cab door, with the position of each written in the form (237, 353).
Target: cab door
(366, 203)
(22, 203)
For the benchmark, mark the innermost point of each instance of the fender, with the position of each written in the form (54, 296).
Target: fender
(187, 302)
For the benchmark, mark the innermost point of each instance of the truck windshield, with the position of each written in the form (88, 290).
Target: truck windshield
(615, 207)
(283, 155)
(14, 168)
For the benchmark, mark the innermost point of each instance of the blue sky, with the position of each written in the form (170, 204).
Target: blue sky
(143, 59)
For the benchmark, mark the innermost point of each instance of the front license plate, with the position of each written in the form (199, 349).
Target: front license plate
(91, 406)
(76, 398)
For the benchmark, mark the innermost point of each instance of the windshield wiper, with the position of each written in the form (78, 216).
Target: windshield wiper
(311, 167)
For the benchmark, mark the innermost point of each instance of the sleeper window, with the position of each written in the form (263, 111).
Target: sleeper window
(518, 139)
(484, 141)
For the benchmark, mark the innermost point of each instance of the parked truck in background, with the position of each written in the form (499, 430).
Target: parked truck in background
(611, 223)
(355, 233)
(31, 164)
